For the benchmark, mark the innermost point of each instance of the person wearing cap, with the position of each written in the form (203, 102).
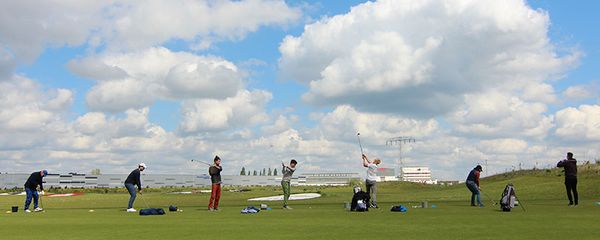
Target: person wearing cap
(31, 185)
(215, 178)
(134, 179)
(473, 185)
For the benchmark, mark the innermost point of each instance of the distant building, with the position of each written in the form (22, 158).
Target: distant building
(74, 180)
(327, 179)
(416, 174)
(387, 174)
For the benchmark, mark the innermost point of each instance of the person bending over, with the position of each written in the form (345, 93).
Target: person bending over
(134, 179)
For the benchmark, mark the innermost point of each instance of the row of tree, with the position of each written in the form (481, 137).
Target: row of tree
(264, 172)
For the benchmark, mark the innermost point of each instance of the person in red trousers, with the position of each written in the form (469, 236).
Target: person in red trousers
(215, 178)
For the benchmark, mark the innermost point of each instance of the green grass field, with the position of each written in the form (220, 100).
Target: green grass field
(541, 192)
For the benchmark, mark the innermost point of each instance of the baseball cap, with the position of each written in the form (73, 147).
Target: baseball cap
(142, 165)
(45, 172)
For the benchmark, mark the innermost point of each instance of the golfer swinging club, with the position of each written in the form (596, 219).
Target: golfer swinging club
(570, 166)
(473, 185)
(285, 181)
(34, 180)
(371, 180)
(215, 178)
(134, 178)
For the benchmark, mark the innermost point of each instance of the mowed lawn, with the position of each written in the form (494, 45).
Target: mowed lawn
(542, 194)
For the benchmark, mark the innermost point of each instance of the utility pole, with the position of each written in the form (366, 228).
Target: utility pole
(402, 140)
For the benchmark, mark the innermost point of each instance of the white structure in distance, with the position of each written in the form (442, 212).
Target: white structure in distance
(420, 174)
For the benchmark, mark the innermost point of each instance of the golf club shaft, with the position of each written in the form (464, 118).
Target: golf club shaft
(144, 199)
(488, 197)
(359, 143)
(198, 161)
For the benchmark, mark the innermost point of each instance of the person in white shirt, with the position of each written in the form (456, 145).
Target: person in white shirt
(372, 177)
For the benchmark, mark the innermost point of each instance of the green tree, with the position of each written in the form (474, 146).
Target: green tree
(95, 171)
(255, 173)
(243, 172)
(275, 172)
(270, 172)
(264, 172)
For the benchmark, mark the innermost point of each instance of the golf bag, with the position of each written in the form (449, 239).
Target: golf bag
(152, 211)
(507, 201)
(360, 202)
(399, 208)
(250, 210)
(172, 208)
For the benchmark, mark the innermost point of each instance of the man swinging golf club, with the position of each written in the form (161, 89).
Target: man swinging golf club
(31, 185)
(372, 177)
(285, 181)
(215, 178)
(473, 185)
(134, 179)
(570, 166)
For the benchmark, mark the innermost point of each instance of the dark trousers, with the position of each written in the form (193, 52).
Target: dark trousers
(475, 193)
(215, 195)
(131, 189)
(571, 185)
(31, 194)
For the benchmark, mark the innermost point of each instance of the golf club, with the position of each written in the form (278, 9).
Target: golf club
(359, 144)
(488, 197)
(202, 162)
(144, 199)
(41, 202)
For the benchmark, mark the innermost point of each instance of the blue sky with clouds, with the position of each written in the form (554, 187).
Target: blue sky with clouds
(113, 83)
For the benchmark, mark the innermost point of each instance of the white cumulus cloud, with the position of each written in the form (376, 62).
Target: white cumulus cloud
(420, 58)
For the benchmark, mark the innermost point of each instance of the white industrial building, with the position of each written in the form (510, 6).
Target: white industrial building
(73, 180)
(386, 174)
(420, 174)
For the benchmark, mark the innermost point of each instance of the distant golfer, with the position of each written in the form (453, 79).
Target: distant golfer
(215, 178)
(134, 179)
(372, 177)
(33, 182)
(473, 185)
(285, 181)
(570, 166)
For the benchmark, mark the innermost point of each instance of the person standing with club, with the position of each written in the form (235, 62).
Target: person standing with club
(286, 181)
(215, 178)
(371, 180)
(473, 185)
(31, 185)
(570, 166)
(134, 179)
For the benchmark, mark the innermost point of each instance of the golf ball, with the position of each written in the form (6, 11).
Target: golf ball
(8, 212)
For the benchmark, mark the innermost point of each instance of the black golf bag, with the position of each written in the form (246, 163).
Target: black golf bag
(360, 202)
(508, 199)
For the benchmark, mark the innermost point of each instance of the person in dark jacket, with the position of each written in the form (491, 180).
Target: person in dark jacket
(34, 181)
(570, 166)
(473, 185)
(215, 178)
(134, 179)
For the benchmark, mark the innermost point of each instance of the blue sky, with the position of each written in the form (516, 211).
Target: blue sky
(313, 117)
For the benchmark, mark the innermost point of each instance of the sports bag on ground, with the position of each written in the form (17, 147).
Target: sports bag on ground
(151, 211)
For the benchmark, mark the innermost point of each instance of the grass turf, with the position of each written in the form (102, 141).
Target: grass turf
(541, 192)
